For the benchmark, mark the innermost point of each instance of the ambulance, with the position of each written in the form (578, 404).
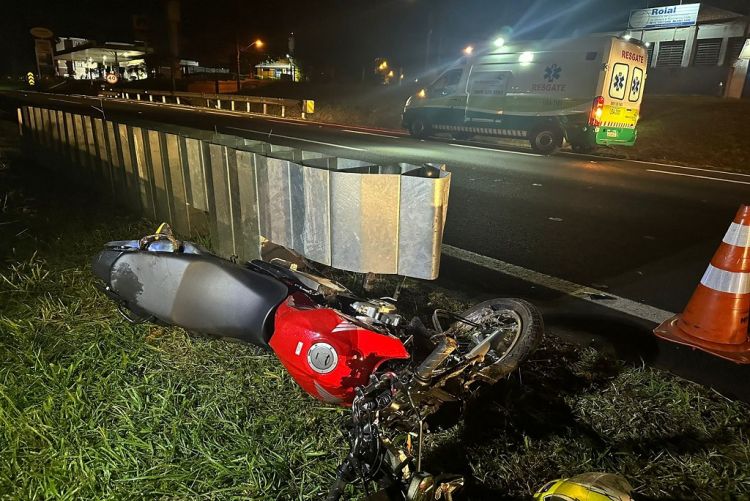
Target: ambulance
(587, 91)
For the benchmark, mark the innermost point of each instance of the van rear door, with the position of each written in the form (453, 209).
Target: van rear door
(622, 92)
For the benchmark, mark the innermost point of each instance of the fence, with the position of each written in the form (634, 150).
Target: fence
(249, 104)
(345, 213)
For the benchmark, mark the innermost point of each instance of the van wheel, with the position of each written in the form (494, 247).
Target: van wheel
(420, 128)
(546, 139)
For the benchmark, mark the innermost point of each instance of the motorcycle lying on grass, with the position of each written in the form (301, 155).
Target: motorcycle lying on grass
(339, 348)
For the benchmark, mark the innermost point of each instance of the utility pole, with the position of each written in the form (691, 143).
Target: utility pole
(237, 47)
(173, 32)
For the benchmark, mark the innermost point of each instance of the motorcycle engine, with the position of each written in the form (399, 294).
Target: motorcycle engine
(379, 310)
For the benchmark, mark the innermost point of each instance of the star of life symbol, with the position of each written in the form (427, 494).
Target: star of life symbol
(619, 81)
(552, 73)
(635, 86)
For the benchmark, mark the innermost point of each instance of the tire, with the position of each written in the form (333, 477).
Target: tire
(420, 128)
(509, 351)
(545, 139)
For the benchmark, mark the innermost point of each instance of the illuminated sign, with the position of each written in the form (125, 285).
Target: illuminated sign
(672, 16)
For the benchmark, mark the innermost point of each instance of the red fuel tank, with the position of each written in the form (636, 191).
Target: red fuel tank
(327, 354)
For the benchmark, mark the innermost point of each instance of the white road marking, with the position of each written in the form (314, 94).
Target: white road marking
(370, 133)
(494, 149)
(578, 291)
(698, 177)
(64, 100)
(729, 173)
(299, 139)
(678, 166)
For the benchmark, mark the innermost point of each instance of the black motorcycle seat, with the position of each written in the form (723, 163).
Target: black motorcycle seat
(199, 292)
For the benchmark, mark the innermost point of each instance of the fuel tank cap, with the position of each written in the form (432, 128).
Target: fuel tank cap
(322, 357)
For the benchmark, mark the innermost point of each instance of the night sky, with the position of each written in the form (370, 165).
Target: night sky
(343, 35)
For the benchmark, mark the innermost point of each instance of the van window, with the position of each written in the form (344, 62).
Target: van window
(447, 83)
(618, 81)
(635, 85)
(488, 83)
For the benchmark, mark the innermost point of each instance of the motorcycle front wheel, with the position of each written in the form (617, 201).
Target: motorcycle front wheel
(520, 327)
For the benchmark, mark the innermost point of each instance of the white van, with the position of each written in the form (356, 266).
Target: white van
(586, 90)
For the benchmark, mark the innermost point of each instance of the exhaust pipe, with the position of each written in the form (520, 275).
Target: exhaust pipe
(441, 352)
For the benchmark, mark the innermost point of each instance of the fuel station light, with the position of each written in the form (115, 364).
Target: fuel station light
(421, 93)
(499, 42)
(468, 50)
(526, 57)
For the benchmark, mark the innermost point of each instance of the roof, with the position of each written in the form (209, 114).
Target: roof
(278, 64)
(711, 14)
(97, 51)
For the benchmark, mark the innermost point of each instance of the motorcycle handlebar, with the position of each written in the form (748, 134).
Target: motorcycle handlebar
(337, 490)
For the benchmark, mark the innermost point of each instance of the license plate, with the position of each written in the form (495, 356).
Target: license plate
(611, 133)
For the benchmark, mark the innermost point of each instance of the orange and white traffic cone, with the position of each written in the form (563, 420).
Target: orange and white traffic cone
(716, 318)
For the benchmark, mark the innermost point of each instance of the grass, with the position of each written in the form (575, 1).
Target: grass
(92, 407)
(693, 130)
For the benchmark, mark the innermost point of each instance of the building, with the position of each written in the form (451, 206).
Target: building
(692, 48)
(85, 59)
(280, 69)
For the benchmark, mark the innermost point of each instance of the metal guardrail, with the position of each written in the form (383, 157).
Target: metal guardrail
(248, 104)
(344, 213)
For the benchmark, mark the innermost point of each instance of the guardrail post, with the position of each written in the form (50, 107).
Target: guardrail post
(265, 108)
(163, 99)
(80, 141)
(354, 199)
(247, 103)
(247, 232)
(151, 98)
(178, 99)
(93, 156)
(232, 104)
(191, 152)
(159, 192)
(129, 169)
(283, 111)
(138, 96)
(219, 198)
(54, 131)
(142, 172)
(115, 159)
(218, 103)
(34, 121)
(105, 166)
(175, 181)
(208, 103)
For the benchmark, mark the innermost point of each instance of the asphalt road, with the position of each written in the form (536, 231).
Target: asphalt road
(640, 231)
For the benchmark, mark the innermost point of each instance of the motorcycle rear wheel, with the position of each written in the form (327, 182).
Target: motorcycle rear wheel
(521, 324)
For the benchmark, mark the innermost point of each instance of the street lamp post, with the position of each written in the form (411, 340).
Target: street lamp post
(258, 43)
